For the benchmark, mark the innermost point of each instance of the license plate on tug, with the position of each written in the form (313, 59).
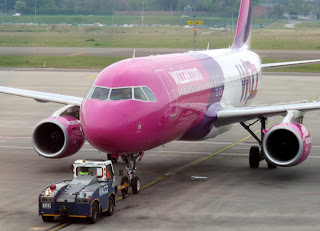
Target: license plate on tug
(46, 205)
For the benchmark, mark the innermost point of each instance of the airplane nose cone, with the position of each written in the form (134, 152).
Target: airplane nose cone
(111, 127)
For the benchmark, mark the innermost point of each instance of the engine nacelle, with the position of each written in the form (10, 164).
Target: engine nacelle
(287, 144)
(58, 137)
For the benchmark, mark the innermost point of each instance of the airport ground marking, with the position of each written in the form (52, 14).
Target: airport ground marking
(76, 54)
(59, 227)
(91, 77)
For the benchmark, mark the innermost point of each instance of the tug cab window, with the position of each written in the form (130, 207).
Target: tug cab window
(100, 93)
(121, 94)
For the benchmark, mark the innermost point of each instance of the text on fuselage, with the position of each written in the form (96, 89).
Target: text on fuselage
(186, 76)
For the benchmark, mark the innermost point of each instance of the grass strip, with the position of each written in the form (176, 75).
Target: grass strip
(102, 62)
(57, 61)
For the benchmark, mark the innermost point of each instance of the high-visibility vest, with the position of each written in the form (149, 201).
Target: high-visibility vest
(84, 173)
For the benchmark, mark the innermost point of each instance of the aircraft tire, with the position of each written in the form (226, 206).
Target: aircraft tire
(254, 157)
(135, 185)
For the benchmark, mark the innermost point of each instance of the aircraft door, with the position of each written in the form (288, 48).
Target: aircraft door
(168, 84)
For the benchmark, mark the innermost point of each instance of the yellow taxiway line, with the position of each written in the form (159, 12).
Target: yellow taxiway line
(77, 54)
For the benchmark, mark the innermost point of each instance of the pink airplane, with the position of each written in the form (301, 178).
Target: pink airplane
(141, 103)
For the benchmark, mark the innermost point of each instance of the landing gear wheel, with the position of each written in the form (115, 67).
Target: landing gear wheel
(254, 157)
(124, 180)
(47, 218)
(271, 166)
(95, 213)
(111, 207)
(135, 185)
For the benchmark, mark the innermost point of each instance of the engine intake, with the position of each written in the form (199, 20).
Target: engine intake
(58, 137)
(287, 144)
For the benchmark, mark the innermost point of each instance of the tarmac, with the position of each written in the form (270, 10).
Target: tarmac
(227, 196)
(141, 52)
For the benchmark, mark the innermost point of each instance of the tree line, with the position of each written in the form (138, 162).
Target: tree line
(107, 7)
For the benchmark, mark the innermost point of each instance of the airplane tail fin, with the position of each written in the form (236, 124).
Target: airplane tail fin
(243, 34)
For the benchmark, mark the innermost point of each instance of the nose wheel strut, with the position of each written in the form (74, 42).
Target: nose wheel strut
(133, 180)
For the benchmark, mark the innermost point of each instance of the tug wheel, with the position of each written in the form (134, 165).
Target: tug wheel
(47, 218)
(95, 213)
(135, 185)
(111, 206)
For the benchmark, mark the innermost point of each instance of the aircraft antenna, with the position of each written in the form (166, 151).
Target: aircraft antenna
(134, 53)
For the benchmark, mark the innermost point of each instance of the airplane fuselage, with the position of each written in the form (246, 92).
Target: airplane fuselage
(187, 88)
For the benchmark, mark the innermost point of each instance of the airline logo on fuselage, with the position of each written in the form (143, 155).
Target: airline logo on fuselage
(186, 76)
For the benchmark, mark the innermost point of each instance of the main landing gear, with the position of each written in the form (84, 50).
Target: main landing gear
(132, 180)
(256, 154)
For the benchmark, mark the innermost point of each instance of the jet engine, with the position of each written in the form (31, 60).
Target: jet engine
(287, 144)
(58, 137)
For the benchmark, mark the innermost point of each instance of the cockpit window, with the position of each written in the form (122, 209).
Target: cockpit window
(139, 95)
(149, 94)
(128, 93)
(121, 94)
(100, 93)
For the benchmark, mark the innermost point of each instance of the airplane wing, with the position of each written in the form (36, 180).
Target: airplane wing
(228, 116)
(42, 96)
(288, 64)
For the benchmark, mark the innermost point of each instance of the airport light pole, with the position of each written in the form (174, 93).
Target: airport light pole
(142, 17)
(112, 17)
(35, 11)
(76, 7)
(1, 13)
(194, 33)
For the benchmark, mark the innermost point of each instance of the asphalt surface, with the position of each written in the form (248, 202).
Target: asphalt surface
(140, 52)
(233, 197)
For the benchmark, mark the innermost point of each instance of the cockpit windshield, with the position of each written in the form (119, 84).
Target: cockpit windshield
(128, 93)
(100, 93)
(121, 94)
(139, 95)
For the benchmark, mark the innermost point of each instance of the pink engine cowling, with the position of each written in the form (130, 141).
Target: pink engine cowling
(287, 144)
(58, 137)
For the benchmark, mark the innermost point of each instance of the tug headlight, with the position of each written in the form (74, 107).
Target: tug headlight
(47, 193)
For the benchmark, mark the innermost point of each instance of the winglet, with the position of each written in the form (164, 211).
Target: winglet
(242, 38)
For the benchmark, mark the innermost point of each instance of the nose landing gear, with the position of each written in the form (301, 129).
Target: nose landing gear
(133, 181)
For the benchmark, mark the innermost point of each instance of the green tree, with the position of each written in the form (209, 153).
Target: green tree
(278, 11)
(295, 7)
(20, 6)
